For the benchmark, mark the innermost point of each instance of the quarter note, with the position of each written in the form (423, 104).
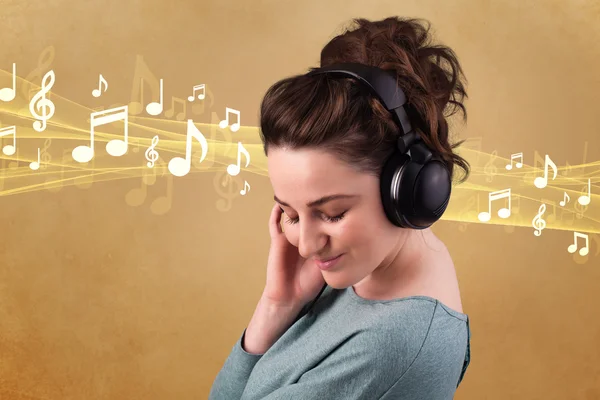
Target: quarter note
(196, 88)
(224, 123)
(35, 165)
(234, 169)
(541, 182)
(8, 94)
(155, 108)
(584, 200)
(98, 92)
(573, 247)
(485, 216)
(9, 150)
(519, 164)
(179, 166)
(115, 147)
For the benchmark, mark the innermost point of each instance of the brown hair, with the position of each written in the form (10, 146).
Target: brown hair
(340, 117)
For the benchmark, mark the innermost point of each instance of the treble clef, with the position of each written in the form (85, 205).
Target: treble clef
(538, 223)
(151, 154)
(40, 102)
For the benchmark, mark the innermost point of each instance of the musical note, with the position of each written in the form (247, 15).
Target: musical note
(541, 182)
(8, 94)
(233, 169)
(224, 123)
(223, 179)
(98, 92)
(46, 157)
(141, 74)
(151, 154)
(565, 200)
(9, 150)
(485, 216)
(573, 247)
(584, 200)
(196, 88)
(179, 166)
(550, 218)
(162, 204)
(537, 159)
(155, 108)
(137, 196)
(490, 169)
(115, 147)
(35, 165)
(39, 101)
(180, 116)
(519, 164)
(538, 223)
(243, 191)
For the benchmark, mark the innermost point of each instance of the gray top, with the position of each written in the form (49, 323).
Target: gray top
(350, 348)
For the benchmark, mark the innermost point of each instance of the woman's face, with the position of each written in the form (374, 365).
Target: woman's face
(354, 225)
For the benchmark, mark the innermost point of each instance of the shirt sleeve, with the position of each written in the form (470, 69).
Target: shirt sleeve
(362, 368)
(232, 378)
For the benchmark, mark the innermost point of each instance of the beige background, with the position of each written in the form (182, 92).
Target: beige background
(103, 300)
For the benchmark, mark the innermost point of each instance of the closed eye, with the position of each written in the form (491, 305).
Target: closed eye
(327, 218)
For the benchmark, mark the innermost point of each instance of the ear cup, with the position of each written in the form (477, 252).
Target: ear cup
(414, 195)
(389, 184)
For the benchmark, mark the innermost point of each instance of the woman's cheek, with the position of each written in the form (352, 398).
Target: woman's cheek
(292, 236)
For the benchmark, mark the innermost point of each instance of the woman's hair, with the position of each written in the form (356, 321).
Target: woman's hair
(340, 117)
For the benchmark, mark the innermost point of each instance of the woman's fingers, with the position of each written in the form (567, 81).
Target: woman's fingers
(274, 226)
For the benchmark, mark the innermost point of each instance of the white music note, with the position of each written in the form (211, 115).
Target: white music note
(235, 126)
(8, 94)
(35, 165)
(243, 191)
(485, 216)
(115, 147)
(155, 108)
(9, 150)
(565, 200)
(179, 166)
(584, 200)
(541, 182)
(573, 247)
(513, 157)
(233, 169)
(98, 92)
(195, 89)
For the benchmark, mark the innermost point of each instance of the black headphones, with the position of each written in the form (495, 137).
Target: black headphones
(415, 184)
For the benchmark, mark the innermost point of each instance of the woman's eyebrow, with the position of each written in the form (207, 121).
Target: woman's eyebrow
(321, 201)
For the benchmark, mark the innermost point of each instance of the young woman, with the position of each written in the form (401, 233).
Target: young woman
(361, 299)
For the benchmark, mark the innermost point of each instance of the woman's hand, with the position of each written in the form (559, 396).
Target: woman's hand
(292, 281)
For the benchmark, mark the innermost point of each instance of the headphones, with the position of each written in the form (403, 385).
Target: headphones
(415, 184)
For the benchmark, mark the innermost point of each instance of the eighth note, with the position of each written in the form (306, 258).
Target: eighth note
(180, 166)
(565, 200)
(98, 92)
(234, 169)
(538, 223)
(201, 96)
(9, 150)
(541, 182)
(519, 163)
(243, 191)
(151, 154)
(485, 216)
(585, 249)
(224, 123)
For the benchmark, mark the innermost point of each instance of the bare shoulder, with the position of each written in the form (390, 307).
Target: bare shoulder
(440, 281)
